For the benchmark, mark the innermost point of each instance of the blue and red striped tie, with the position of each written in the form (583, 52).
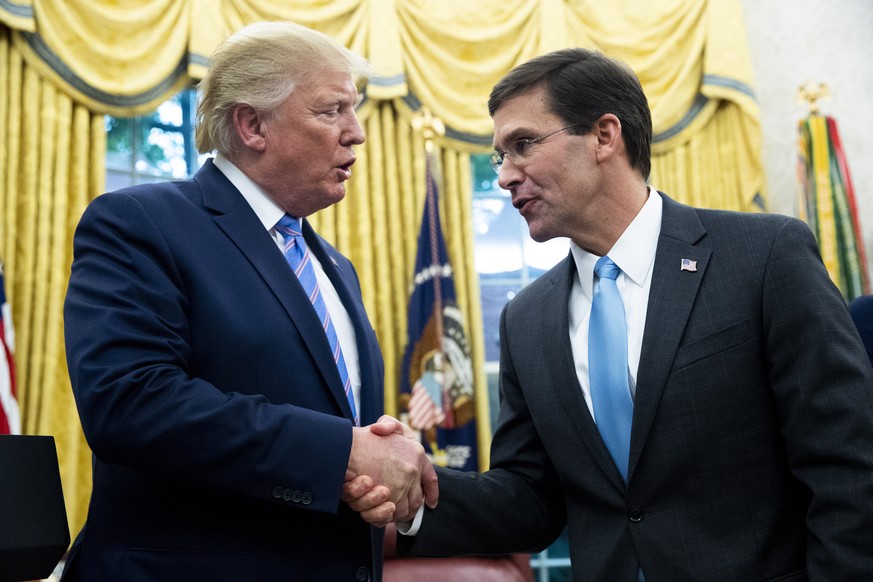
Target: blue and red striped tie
(298, 257)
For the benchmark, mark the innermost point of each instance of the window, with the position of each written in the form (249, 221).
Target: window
(154, 147)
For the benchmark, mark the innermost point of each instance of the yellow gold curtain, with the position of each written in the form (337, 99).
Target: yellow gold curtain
(52, 154)
(67, 62)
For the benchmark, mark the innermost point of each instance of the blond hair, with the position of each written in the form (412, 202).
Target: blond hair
(259, 66)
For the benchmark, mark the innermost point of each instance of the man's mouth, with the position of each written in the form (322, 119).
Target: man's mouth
(520, 203)
(346, 169)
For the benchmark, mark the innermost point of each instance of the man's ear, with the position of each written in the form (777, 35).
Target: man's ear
(249, 125)
(607, 129)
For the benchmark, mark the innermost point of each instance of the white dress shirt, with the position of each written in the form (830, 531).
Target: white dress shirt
(634, 253)
(269, 213)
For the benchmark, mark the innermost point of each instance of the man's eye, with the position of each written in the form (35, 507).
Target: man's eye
(522, 147)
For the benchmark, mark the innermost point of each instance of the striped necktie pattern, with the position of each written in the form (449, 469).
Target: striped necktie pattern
(298, 257)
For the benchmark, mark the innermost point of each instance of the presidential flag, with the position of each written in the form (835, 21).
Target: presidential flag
(436, 385)
(10, 419)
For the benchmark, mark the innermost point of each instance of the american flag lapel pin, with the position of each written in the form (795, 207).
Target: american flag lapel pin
(688, 265)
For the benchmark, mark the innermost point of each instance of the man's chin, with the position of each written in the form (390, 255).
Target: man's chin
(538, 233)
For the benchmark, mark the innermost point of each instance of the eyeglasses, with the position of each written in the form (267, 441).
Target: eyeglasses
(520, 149)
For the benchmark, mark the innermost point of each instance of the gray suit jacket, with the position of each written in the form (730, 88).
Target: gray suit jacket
(752, 441)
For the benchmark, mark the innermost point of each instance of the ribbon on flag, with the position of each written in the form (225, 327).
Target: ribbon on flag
(827, 204)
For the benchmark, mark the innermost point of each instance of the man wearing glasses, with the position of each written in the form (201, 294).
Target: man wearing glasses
(685, 392)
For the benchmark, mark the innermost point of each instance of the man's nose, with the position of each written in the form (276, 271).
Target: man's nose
(355, 133)
(509, 174)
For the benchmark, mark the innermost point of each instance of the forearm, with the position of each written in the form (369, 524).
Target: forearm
(492, 513)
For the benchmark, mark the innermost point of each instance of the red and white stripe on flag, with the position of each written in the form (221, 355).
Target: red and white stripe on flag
(423, 411)
(10, 418)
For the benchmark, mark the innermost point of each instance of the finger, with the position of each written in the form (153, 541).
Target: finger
(409, 432)
(430, 486)
(402, 507)
(401, 428)
(415, 498)
(373, 498)
(387, 425)
(356, 488)
(407, 519)
(381, 515)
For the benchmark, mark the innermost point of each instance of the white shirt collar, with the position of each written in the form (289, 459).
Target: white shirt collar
(633, 252)
(267, 211)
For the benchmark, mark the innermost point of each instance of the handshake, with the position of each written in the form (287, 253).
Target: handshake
(389, 475)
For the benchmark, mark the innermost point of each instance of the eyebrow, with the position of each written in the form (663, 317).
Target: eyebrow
(513, 136)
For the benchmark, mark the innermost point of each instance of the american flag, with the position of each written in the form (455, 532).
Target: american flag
(424, 412)
(688, 265)
(436, 376)
(10, 419)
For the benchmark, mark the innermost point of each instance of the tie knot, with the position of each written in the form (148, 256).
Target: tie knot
(288, 226)
(605, 268)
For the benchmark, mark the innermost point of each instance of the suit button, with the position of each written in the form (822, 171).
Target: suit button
(295, 497)
(286, 494)
(277, 492)
(362, 574)
(635, 514)
(307, 498)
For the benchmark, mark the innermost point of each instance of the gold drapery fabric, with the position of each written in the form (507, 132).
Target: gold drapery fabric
(52, 160)
(124, 57)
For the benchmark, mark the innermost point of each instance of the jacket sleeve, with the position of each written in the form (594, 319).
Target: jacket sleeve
(129, 324)
(515, 507)
(823, 389)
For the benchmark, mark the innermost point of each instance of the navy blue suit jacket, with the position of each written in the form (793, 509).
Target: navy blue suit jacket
(209, 396)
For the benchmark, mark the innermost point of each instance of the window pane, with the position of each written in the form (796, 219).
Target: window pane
(164, 154)
(117, 179)
(495, 293)
(540, 257)
(155, 147)
(497, 243)
(119, 143)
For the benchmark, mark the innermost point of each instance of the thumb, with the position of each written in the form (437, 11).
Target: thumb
(386, 426)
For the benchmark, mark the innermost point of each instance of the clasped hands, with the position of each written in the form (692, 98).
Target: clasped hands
(389, 475)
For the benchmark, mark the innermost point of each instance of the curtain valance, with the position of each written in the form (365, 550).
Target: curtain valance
(123, 57)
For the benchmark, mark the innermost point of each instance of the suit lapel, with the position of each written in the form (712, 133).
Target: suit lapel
(671, 298)
(239, 222)
(555, 315)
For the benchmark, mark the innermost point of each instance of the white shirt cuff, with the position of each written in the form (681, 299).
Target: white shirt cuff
(410, 528)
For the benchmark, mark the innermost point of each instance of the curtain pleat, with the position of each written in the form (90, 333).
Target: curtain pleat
(48, 145)
(714, 168)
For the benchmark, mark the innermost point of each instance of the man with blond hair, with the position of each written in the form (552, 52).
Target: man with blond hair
(222, 362)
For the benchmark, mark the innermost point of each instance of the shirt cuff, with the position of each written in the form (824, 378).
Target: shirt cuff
(410, 528)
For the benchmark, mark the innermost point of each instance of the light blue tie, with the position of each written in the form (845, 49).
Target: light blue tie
(298, 257)
(607, 366)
